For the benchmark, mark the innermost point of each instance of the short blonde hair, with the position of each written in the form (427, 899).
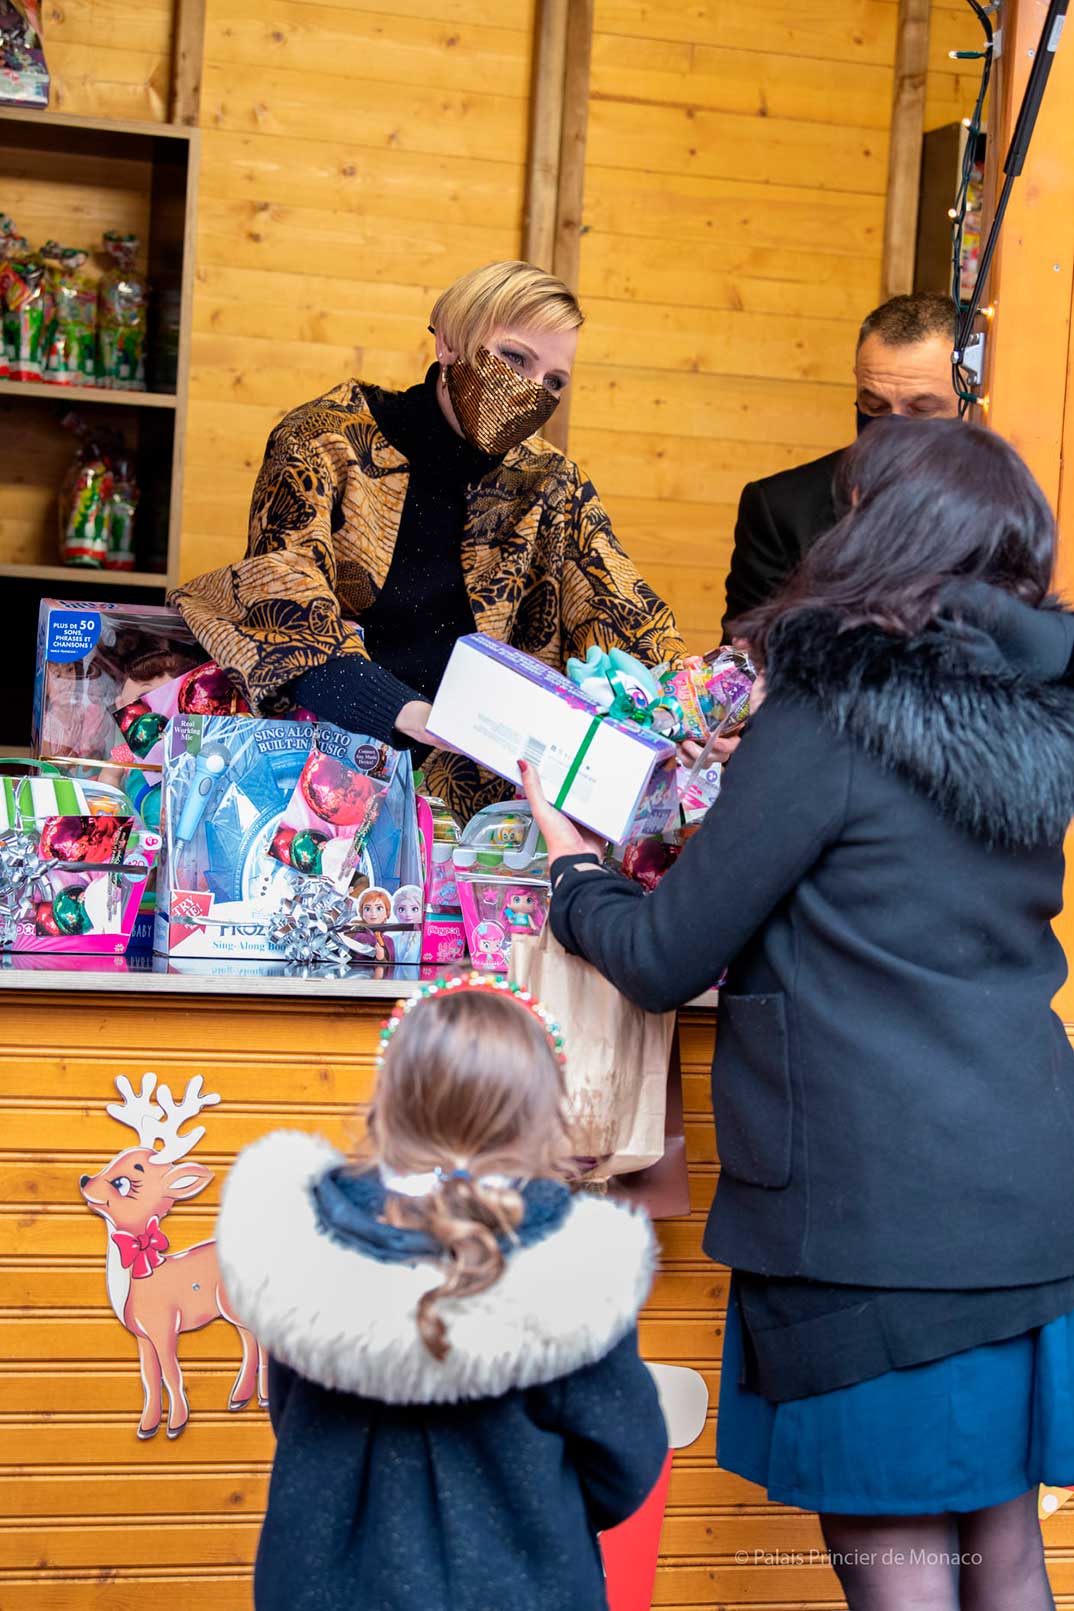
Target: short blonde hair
(508, 295)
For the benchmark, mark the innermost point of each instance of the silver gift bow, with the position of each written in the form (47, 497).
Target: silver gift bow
(23, 871)
(310, 922)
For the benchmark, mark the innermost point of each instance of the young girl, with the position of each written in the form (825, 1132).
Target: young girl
(455, 1386)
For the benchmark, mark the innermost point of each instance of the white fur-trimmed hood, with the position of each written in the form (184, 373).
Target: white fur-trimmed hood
(347, 1321)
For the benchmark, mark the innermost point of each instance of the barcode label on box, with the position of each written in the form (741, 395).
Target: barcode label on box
(533, 751)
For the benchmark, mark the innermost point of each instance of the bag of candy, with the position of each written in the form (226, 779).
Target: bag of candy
(71, 359)
(124, 507)
(27, 311)
(85, 505)
(121, 318)
(24, 79)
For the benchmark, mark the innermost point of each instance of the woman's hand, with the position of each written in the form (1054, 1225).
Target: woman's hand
(411, 722)
(561, 835)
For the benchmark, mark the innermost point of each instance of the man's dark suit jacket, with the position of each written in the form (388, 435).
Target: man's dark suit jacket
(779, 518)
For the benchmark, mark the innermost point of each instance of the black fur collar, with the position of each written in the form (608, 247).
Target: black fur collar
(992, 747)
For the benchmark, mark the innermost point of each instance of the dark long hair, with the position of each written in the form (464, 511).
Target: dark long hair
(920, 502)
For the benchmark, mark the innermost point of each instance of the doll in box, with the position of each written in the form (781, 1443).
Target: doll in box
(523, 909)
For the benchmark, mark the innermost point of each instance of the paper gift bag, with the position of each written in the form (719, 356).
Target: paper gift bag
(617, 1057)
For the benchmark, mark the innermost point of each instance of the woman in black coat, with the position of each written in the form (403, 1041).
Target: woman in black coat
(894, 1097)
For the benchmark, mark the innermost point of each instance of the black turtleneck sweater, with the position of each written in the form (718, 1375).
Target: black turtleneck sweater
(423, 608)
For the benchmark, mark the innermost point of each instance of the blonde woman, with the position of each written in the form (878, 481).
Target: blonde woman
(423, 515)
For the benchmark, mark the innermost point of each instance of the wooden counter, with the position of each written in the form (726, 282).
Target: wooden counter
(93, 1519)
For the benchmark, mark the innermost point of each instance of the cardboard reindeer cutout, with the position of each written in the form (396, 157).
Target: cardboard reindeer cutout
(155, 1293)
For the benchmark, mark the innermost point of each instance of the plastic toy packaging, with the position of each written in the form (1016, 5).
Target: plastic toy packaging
(27, 306)
(85, 503)
(501, 869)
(121, 318)
(330, 816)
(443, 937)
(93, 658)
(71, 359)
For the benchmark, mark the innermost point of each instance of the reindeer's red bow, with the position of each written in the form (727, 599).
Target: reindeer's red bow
(143, 1252)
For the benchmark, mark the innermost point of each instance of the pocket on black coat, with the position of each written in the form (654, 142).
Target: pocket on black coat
(751, 1090)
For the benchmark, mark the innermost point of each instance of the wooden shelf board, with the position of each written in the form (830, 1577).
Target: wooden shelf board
(86, 394)
(90, 573)
(95, 125)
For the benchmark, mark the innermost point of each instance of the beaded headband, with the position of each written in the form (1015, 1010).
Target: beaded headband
(473, 982)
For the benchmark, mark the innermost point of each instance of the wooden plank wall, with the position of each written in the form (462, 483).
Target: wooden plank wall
(736, 166)
(355, 160)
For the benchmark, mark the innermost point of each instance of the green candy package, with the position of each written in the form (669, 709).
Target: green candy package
(85, 501)
(71, 359)
(121, 318)
(25, 304)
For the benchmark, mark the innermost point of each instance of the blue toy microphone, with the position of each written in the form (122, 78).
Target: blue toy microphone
(211, 763)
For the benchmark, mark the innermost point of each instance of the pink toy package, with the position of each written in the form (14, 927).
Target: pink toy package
(87, 889)
(494, 911)
(443, 936)
(335, 804)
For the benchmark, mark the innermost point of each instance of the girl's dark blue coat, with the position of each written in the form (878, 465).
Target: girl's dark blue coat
(401, 1484)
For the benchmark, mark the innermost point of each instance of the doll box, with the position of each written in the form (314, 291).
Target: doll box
(92, 658)
(498, 705)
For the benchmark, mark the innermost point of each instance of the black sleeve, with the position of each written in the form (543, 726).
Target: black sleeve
(782, 803)
(762, 557)
(281, 1379)
(613, 1428)
(357, 695)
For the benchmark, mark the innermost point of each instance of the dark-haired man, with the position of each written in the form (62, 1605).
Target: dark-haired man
(903, 367)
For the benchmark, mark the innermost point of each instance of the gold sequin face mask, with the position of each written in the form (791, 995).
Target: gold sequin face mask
(496, 408)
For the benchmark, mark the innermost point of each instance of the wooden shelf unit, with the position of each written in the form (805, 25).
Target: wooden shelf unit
(85, 394)
(71, 178)
(84, 577)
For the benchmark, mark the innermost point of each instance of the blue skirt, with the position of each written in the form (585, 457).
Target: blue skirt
(961, 1433)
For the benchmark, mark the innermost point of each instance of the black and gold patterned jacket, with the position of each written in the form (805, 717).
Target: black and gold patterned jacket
(542, 566)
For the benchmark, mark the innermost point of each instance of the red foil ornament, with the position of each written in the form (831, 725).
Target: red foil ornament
(334, 791)
(208, 691)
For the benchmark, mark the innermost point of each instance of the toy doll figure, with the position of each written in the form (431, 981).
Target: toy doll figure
(375, 908)
(522, 910)
(407, 905)
(488, 948)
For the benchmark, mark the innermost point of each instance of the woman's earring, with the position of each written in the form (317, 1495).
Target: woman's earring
(443, 374)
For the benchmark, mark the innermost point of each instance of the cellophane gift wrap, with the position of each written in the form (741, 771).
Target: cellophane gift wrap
(617, 1058)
